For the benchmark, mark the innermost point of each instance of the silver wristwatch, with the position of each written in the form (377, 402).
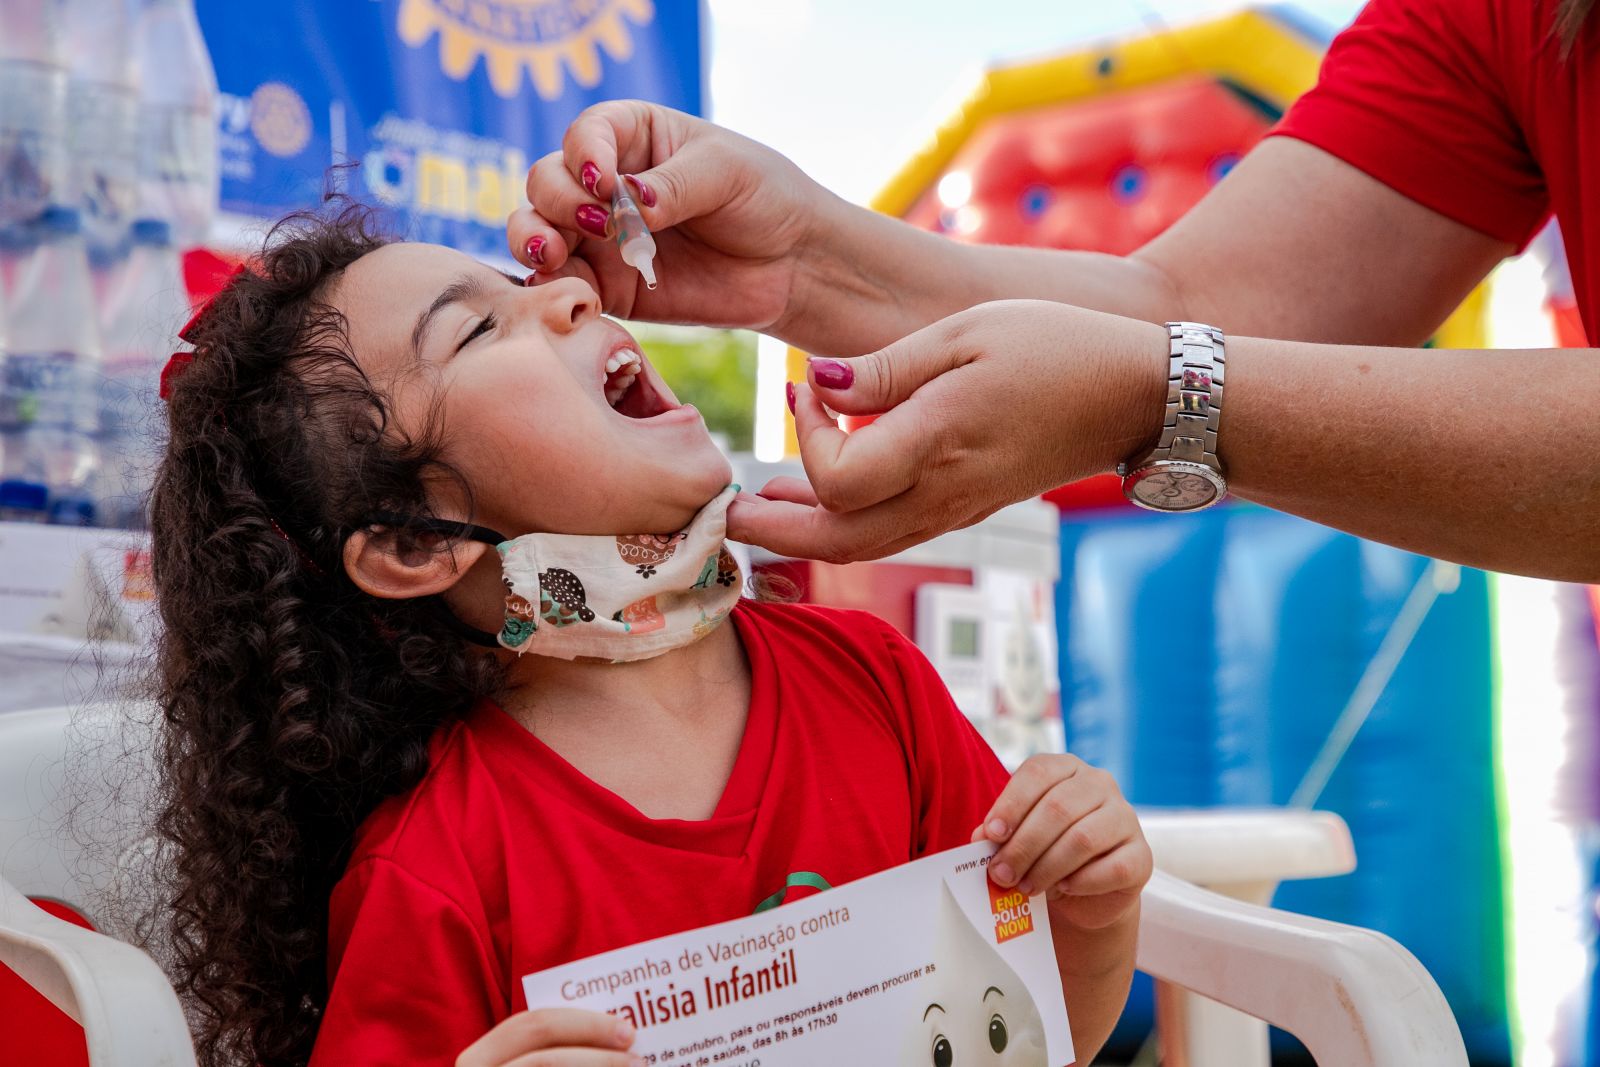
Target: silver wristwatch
(1182, 473)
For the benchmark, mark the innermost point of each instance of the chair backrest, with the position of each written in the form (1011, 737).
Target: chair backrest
(129, 1014)
(71, 778)
(72, 786)
(33, 856)
(1354, 997)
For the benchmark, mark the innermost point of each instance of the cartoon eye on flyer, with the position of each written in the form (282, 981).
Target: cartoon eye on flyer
(926, 965)
(979, 1011)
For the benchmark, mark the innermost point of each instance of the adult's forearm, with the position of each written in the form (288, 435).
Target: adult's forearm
(866, 280)
(1293, 243)
(1487, 458)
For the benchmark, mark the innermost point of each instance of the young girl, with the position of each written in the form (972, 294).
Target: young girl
(404, 769)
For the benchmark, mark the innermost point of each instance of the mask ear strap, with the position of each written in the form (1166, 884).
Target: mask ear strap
(443, 527)
(446, 528)
(479, 637)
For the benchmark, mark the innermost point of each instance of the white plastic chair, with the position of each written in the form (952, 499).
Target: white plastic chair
(1241, 853)
(129, 1014)
(1353, 996)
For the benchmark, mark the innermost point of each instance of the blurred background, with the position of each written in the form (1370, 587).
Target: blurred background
(1447, 715)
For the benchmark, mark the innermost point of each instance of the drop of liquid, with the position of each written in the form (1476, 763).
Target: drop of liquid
(650, 285)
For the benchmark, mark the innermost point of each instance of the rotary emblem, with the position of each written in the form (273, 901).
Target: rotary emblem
(279, 119)
(544, 37)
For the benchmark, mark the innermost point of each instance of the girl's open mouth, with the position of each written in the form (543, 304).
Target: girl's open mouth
(633, 389)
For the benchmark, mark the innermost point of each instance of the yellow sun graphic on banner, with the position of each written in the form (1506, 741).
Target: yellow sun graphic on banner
(543, 36)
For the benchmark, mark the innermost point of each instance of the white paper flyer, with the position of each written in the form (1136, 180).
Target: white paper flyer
(926, 965)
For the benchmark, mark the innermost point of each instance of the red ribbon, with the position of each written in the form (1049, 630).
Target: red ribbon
(178, 362)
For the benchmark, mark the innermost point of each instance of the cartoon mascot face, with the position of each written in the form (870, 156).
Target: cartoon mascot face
(977, 1012)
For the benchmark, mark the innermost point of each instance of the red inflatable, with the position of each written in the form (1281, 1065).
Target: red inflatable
(1104, 174)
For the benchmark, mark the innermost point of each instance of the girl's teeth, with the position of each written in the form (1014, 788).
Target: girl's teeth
(618, 387)
(622, 370)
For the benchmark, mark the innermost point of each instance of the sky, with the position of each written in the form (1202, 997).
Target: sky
(848, 89)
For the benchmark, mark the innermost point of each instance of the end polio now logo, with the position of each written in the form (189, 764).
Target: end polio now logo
(1012, 911)
(544, 37)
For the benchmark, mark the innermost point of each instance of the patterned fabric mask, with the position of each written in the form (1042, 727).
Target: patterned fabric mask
(619, 598)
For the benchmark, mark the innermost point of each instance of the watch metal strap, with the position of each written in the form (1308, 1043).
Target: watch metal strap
(1194, 395)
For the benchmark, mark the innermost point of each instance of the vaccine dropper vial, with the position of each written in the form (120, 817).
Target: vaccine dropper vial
(633, 238)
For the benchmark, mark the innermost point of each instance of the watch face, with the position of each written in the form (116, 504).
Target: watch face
(1174, 490)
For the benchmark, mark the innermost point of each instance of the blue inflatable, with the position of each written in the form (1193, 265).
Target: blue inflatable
(1204, 659)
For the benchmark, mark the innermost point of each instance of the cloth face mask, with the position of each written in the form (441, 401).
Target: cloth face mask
(619, 598)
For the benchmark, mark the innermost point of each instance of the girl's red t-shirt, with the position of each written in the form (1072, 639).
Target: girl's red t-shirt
(506, 859)
(1471, 108)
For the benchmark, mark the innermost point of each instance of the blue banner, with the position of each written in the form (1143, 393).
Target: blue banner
(444, 103)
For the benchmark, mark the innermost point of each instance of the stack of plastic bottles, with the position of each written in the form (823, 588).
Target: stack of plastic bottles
(108, 169)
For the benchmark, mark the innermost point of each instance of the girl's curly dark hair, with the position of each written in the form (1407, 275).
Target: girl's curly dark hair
(292, 702)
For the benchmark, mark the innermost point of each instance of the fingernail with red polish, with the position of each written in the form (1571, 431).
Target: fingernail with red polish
(589, 175)
(788, 389)
(592, 219)
(536, 251)
(647, 195)
(831, 374)
(531, 280)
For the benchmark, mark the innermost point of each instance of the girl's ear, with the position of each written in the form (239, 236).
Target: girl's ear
(379, 566)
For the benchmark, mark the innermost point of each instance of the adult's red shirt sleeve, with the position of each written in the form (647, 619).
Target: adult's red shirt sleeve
(957, 774)
(413, 980)
(1414, 93)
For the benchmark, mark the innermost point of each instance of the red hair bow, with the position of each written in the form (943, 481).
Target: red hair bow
(179, 361)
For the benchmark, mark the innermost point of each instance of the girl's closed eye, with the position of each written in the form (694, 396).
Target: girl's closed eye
(485, 324)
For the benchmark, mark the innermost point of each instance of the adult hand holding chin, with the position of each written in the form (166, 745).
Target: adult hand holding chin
(982, 409)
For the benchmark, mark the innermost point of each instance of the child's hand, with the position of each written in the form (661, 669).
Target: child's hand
(1064, 827)
(554, 1037)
